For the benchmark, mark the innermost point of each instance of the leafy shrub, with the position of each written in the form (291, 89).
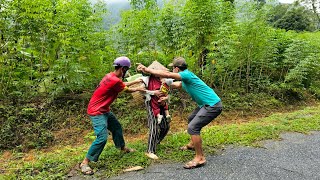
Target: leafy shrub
(28, 125)
(234, 101)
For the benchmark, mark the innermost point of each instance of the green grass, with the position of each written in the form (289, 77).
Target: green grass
(57, 163)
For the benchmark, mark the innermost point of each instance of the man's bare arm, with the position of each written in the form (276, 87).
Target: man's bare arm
(160, 73)
(131, 90)
(133, 82)
(176, 85)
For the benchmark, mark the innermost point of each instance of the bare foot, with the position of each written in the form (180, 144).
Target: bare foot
(187, 147)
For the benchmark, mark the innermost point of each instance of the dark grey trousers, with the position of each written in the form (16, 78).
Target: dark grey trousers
(200, 117)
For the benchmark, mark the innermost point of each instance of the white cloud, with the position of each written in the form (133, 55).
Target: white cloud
(116, 1)
(286, 1)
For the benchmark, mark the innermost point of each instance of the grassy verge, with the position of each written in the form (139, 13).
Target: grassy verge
(55, 164)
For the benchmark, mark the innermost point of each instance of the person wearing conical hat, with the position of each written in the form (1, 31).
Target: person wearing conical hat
(160, 102)
(157, 107)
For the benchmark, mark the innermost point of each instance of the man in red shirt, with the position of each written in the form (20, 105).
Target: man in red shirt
(101, 116)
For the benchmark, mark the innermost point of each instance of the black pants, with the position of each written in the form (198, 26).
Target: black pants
(157, 132)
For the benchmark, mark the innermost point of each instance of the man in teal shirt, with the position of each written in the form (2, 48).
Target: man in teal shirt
(209, 104)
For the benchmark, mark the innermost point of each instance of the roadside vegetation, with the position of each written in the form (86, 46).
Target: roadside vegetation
(58, 161)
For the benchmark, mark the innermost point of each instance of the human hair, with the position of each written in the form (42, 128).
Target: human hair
(180, 62)
(118, 67)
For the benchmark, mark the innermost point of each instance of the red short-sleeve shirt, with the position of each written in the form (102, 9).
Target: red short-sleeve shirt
(106, 92)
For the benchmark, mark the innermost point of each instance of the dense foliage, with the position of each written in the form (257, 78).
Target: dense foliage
(294, 17)
(54, 48)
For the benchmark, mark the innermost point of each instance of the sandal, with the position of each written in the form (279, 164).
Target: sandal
(194, 164)
(85, 169)
(186, 147)
(127, 150)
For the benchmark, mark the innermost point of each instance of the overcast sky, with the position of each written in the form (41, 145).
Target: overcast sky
(113, 1)
(286, 1)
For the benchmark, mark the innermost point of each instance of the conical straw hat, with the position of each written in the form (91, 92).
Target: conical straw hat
(158, 66)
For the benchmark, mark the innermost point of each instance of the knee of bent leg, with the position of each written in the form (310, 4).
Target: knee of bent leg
(102, 136)
(193, 130)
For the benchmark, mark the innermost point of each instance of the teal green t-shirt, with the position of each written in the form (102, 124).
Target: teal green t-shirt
(201, 93)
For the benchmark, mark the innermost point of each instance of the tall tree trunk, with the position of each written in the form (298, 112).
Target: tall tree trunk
(240, 73)
(248, 70)
(202, 55)
(314, 8)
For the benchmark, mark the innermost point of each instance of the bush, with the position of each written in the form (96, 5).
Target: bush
(29, 125)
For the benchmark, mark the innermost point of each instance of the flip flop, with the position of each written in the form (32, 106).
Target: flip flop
(194, 164)
(128, 150)
(186, 147)
(85, 169)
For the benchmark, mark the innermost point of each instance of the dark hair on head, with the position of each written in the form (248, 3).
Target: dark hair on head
(180, 62)
(118, 67)
(182, 68)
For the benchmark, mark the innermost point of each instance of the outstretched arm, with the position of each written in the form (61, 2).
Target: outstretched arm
(160, 73)
(133, 82)
(131, 90)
